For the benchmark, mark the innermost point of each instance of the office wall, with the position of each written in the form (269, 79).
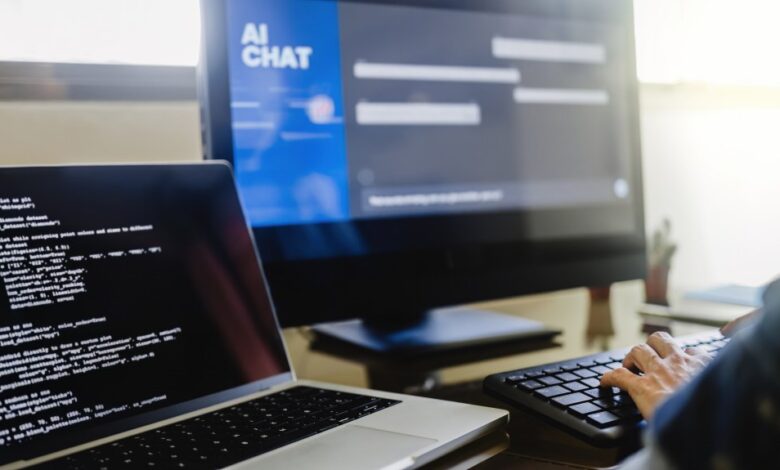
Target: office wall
(92, 131)
(712, 164)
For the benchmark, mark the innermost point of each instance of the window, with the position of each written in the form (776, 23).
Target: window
(708, 41)
(701, 41)
(143, 32)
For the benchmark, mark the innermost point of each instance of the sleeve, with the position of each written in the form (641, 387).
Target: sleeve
(729, 416)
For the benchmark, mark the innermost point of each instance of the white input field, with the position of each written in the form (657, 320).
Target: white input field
(436, 73)
(253, 125)
(561, 96)
(554, 51)
(296, 136)
(418, 114)
(245, 104)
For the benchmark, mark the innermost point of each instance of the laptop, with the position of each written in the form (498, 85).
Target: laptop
(137, 331)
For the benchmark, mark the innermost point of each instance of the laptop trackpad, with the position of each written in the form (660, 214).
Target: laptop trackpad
(350, 446)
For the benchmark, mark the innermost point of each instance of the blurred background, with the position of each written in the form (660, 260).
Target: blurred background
(114, 80)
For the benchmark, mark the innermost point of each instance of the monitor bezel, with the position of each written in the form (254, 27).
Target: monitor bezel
(385, 285)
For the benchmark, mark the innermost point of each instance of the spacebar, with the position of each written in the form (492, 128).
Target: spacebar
(316, 428)
(274, 443)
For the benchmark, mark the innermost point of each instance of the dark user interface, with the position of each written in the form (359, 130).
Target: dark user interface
(125, 290)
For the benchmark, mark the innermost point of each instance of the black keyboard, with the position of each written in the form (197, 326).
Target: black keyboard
(568, 394)
(232, 434)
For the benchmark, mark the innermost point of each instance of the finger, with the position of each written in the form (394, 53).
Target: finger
(621, 378)
(641, 357)
(701, 355)
(696, 352)
(663, 343)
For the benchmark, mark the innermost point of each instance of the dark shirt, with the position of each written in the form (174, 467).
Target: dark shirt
(728, 417)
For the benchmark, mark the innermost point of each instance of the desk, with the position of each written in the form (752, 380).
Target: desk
(585, 331)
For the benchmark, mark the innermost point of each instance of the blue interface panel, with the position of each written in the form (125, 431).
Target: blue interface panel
(288, 111)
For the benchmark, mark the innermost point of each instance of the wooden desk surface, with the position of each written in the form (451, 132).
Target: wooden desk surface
(586, 331)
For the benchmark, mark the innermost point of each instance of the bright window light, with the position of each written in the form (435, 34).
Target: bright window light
(708, 41)
(150, 32)
(704, 41)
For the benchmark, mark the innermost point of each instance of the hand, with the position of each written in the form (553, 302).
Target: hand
(662, 368)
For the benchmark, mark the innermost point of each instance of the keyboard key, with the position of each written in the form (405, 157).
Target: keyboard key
(529, 385)
(583, 409)
(594, 392)
(575, 386)
(534, 374)
(603, 419)
(606, 402)
(571, 399)
(587, 363)
(599, 392)
(549, 380)
(515, 378)
(552, 370)
(615, 365)
(591, 382)
(585, 373)
(549, 392)
(601, 370)
(567, 377)
(569, 367)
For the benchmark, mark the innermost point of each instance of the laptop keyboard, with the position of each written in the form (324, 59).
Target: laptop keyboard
(232, 434)
(568, 393)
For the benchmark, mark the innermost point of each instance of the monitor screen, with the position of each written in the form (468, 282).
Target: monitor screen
(419, 148)
(129, 294)
(351, 111)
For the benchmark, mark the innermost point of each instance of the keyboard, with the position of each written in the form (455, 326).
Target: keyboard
(230, 435)
(568, 394)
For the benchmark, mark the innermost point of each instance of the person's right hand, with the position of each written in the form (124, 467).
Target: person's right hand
(653, 371)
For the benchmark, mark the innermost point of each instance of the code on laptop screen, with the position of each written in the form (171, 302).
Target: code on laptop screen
(126, 290)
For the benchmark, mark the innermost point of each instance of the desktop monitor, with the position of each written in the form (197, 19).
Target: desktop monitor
(394, 157)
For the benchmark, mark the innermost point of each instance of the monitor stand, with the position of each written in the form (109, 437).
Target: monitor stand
(436, 330)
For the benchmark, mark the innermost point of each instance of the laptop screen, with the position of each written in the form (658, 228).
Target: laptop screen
(129, 294)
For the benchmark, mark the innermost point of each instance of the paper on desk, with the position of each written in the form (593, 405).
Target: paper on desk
(730, 294)
(696, 311)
